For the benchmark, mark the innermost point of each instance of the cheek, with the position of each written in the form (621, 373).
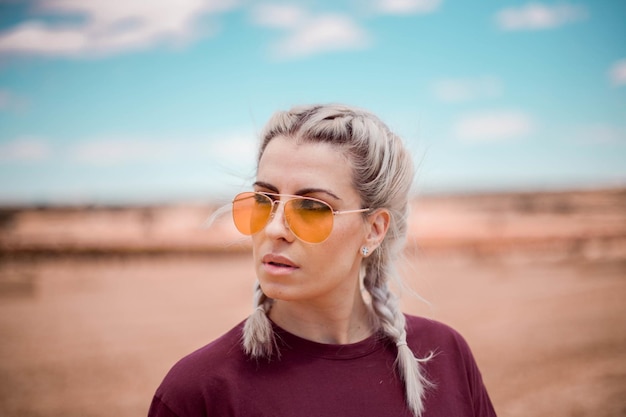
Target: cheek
(351, 230)
(347, 240)
(256, 248)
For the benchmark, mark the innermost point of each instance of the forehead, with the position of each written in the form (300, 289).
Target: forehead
(291, 165)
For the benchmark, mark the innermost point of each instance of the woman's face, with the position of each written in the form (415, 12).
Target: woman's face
(288, 268)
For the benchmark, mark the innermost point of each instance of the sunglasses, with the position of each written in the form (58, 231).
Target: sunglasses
(309, 219)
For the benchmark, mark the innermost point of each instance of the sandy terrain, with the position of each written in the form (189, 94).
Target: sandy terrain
(558, 225)
(92, 332)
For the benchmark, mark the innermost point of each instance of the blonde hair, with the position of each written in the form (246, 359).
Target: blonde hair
(382, 175)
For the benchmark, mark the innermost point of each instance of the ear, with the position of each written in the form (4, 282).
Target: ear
(378, 224)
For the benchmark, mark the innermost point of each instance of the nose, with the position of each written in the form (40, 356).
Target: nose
(276, 227)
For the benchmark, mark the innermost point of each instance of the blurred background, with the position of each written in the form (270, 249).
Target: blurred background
(124, 125)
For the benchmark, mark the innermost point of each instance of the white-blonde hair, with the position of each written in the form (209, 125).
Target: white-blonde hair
(382, 175)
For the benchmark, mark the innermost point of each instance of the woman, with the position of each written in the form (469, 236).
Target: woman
(328, 217)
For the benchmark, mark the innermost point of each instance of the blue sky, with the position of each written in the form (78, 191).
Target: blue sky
(161, 100)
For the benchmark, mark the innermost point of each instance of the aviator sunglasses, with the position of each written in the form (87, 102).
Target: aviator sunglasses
(309, 219)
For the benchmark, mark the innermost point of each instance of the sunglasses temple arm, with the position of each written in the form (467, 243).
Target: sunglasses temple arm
(351, 211)
(215, 216)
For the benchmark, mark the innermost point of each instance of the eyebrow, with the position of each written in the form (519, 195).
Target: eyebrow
(302, 191)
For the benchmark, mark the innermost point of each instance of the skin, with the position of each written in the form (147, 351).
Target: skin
(316, 292)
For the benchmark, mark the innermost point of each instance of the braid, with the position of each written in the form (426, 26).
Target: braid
(393, 324)
(258, 335)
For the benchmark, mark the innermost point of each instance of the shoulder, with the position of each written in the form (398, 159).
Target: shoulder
(201, 374)
(426, 335)
(423, 327)
(210, 358)
(452, 358)
(451, 367)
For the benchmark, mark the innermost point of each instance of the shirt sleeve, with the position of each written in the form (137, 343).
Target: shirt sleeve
(159, 409)
(481, 403)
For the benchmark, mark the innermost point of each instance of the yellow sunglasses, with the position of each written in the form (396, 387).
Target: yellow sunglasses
(310, 219)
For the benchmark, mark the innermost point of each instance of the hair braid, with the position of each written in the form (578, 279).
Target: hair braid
(392, 322)
(258, 335)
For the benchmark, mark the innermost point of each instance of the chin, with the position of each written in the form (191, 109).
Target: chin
(279, 291)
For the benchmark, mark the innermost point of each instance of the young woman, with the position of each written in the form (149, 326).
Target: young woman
(327, 216)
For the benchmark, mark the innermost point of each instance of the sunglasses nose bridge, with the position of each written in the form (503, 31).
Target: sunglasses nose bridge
(273, 209)
(276, 212)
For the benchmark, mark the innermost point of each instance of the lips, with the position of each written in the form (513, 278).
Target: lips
(278, 261)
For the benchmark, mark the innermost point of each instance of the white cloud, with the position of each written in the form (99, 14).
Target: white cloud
(102, 27)
(617, 73)
(305, 33)
(601, 134)
(536, 16)
(235, 150)
(108, 26)
(283, 16)
(226, 149)
(120, 151)
(467, 89)
(36, 38)
(493, 126)
(407, 6)
(320, 34)
(24, 150)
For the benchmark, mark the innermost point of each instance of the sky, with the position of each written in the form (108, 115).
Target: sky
(160, 101)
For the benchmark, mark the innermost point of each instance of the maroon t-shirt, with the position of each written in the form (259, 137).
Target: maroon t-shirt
(320, 380)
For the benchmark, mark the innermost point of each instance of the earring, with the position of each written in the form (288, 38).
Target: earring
(364, 251)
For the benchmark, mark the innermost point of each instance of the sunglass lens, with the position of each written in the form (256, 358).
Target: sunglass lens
(310, 220)
(251, 212)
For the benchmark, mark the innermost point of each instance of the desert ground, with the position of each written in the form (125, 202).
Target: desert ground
(96, 304)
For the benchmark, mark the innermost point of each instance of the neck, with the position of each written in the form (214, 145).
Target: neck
(333, 323)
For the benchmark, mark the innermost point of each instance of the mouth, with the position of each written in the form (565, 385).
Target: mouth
(277, 263)
(281, 265)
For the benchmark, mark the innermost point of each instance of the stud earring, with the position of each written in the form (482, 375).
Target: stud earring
(364, 251)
